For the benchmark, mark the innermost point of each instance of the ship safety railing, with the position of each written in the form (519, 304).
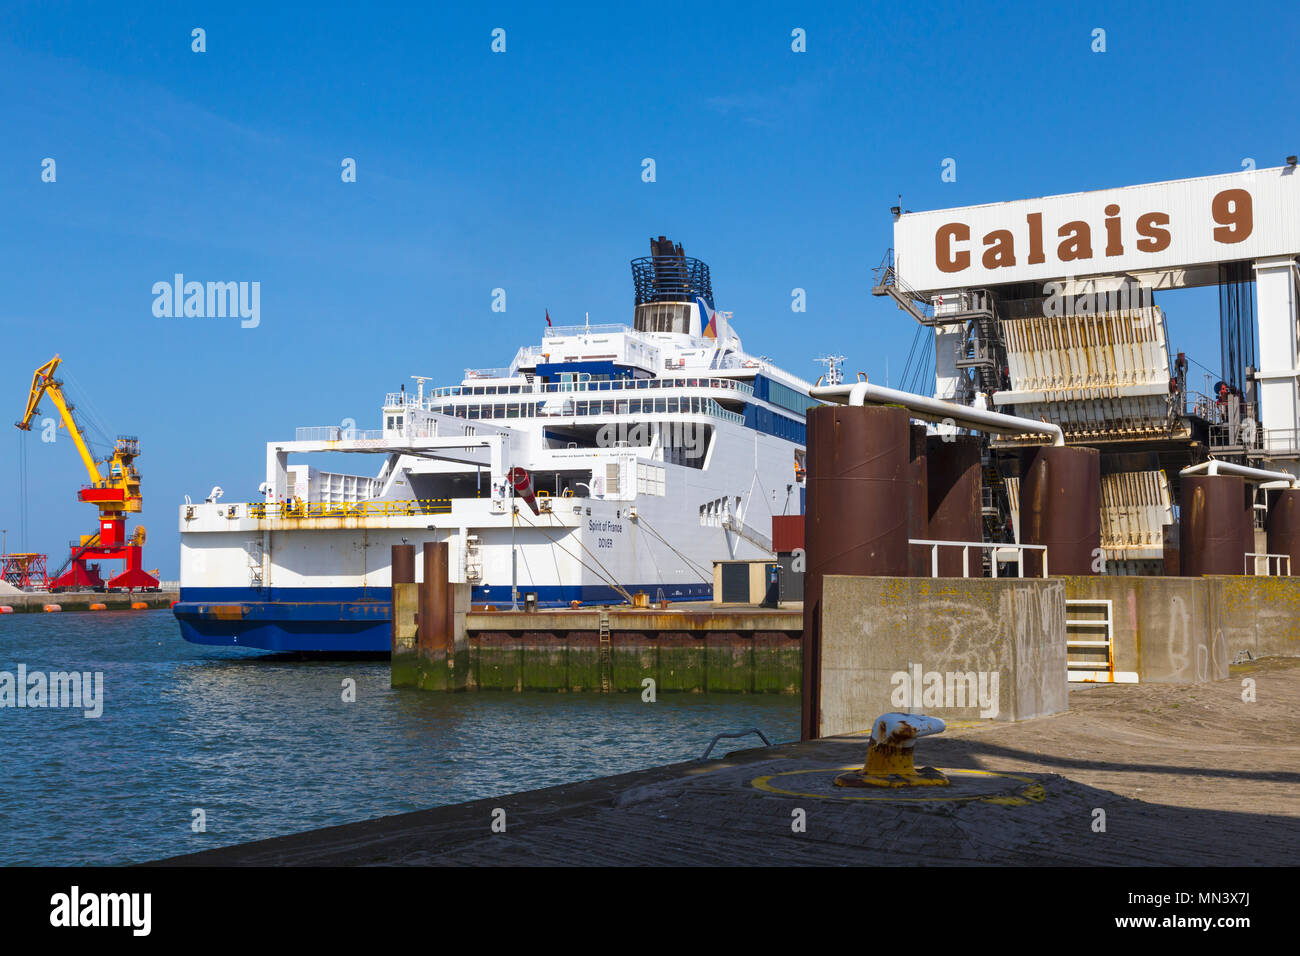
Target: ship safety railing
(349, 509)
(1275, 565)
(966, 546)
(1280, 441)
(336, 433)
(564, 331)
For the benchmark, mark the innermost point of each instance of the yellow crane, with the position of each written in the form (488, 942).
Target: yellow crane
(115, 490)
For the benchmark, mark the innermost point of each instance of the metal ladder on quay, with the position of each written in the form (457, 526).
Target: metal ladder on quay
(605, 658)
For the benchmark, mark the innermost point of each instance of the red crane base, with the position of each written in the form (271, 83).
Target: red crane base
(86, 577)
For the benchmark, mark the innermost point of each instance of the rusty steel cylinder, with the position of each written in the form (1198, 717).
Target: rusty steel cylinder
(858, 513)
(954, 506)
(434, 634)
(1284, 527)
(1060, 507)
(403, 572)
(1212, 525)
(403, 564)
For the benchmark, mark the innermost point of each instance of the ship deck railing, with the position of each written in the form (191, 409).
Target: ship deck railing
(607, 328)
(348, 509)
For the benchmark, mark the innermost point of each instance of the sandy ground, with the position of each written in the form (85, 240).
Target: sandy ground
(1132, 775)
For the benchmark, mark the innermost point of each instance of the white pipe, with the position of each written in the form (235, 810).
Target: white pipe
(936, 410)
(1215, 467)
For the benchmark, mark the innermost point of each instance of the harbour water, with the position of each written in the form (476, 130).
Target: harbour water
(266, 746)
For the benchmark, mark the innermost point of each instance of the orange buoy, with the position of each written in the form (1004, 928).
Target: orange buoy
(50, 608)
(6, 609)
(174, 603)
(139, 606)
(99, 607)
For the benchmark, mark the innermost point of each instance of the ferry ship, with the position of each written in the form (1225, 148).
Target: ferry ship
(606, 461)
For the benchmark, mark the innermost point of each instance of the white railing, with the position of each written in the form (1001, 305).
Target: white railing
(563, 331)
(1280, 441)
(335, 433)
(1273, 564)
(965, 546)
(338, 433)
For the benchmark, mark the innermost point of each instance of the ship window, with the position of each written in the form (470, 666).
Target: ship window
(611, 479)
(662, 317)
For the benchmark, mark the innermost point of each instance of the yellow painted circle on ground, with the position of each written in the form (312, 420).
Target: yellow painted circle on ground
(1032, 792)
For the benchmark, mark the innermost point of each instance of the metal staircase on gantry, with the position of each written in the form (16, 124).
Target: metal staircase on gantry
(980, 347)
(888, 282)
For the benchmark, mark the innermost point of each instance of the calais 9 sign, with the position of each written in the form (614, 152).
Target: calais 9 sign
(1247, 215)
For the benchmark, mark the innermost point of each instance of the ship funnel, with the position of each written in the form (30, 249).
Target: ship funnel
(667, 283)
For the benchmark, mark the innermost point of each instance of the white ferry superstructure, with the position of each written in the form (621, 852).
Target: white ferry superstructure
(652, 450)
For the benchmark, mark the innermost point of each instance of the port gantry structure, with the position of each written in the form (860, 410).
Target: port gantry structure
(1045, 308)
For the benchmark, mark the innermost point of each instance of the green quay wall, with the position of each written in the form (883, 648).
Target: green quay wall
(751, 651)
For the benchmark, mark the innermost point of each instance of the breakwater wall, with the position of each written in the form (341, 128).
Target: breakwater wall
(36, 601)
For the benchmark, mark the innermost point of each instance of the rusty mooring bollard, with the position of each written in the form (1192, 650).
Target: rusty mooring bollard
(889, 755)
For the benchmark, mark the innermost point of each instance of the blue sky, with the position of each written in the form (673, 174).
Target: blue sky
(522, 171)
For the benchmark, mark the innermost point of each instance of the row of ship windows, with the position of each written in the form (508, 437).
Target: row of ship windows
(783, 395)
(760, 419)
(770, 423)
(592, 384)
(629, 406)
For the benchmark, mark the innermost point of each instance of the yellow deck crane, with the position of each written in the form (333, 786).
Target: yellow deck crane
(114, 489)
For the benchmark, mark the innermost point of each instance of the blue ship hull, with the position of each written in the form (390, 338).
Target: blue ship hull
(346, 620)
